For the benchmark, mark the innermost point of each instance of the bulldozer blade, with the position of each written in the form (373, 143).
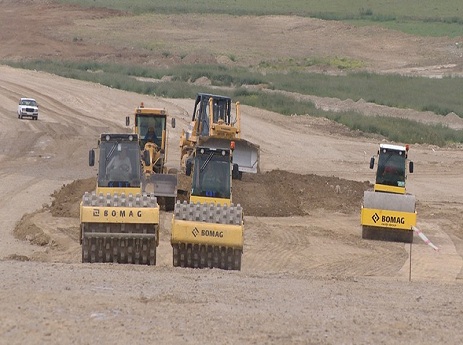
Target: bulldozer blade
(245, 154)
(162, 185)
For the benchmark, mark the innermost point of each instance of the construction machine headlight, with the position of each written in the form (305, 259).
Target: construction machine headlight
(223, 152)
(201, 151)
(130, 137)
(107, 137)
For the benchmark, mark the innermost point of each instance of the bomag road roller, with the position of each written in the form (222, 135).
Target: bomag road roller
(151, 127)
(208, 231)
(388, 213)
(212, 125)
(119, 223)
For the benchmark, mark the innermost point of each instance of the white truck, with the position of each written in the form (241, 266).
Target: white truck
(28, 107)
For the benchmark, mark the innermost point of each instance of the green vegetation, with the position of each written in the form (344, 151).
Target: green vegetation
(396, 129)
(425, 18)
(441, 96)
(399, 130)
(298, 65)
(428, 18)
(123, 77)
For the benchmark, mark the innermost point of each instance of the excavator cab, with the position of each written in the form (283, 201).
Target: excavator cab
(213, 125)
(221, 112)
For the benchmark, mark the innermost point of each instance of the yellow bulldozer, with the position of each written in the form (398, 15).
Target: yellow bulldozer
(208, 231)
(151, 128)
(118, 222)
(213, 125)
(388, 212)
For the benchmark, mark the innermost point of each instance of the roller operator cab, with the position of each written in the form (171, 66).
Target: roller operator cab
(119, 222)
(119, 165)
(388, 212)
(211, 180)
(391, 170)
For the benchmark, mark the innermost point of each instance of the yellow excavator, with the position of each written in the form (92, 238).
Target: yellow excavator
(150, 124)
(388, 212)
(118, 222)
(208, 231)
(213, 125)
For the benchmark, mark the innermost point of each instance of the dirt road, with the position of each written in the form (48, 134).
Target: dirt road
(307, 277)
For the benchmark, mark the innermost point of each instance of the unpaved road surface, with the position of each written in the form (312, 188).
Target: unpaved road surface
(307, 276)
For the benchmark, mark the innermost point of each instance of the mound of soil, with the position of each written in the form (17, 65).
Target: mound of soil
(281, 193)
(27, 230)
(67, 199)
(275, 193)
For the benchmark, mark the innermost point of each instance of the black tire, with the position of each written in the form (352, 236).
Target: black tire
(169, 203)
(236, 174)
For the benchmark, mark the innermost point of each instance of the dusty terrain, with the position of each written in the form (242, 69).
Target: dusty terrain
(307, 275)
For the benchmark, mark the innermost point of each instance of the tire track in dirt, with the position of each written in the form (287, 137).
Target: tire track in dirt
(276, 247)
(60, 111)
(427, 264)
(304, 244)
(17, 190)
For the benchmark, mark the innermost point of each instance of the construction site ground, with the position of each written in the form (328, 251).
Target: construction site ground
(307, 276)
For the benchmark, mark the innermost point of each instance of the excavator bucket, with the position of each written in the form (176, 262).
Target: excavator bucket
(245, 154)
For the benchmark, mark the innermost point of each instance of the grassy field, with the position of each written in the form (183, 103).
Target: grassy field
(426, 17)
(123, 77)
(440, 96)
